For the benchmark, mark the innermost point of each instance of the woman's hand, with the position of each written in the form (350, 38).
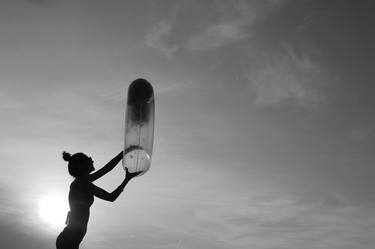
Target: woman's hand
(130, 175)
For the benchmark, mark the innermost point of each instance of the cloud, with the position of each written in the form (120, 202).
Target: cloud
(12, 238)
(218, 35)
(360, 133)
(269, 219)
(286, 78)
(155, 38)
(275, 84)
(167, 87)
(232, 23)
(235, 22)
(37, 1)
(302, 61)
(277, 218)
(232, 26)
(17, 222)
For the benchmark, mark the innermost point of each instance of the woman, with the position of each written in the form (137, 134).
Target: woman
(81, 195)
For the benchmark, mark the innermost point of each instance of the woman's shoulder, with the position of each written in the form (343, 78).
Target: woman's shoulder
(80, 183)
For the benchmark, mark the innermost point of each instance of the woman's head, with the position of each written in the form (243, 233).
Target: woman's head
(78, 164)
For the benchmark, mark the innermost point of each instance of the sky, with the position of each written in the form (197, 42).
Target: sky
(264, 125)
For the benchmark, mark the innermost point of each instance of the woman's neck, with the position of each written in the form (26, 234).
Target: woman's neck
(83, 177)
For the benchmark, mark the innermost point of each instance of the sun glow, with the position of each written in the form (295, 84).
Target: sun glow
(53, 210)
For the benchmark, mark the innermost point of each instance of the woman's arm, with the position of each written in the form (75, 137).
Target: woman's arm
(108, 167)
(102, 194)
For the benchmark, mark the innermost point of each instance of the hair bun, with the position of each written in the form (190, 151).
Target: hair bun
(66, 156)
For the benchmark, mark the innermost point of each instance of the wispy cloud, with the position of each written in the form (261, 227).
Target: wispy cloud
(155, 38)
(218, 35)
(302, 61)
(243, 219)
(278, 217)
(37, 1)
(18, 226)
(286, 78)
(232, 26)
(13, 238)
(233, 22)
(167, 87)
(360, 133)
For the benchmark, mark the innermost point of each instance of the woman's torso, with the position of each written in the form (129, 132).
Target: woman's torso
(80, 200)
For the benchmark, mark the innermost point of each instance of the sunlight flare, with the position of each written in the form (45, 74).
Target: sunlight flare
(53, 210)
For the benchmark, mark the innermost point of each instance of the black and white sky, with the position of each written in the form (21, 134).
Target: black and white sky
(264, 131)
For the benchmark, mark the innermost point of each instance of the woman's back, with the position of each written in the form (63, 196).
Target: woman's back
(80, 200)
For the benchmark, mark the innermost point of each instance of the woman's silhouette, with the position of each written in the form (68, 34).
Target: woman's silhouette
(81, 195)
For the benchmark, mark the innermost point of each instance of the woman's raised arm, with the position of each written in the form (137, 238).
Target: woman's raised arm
(105, 169)
(102, 194)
